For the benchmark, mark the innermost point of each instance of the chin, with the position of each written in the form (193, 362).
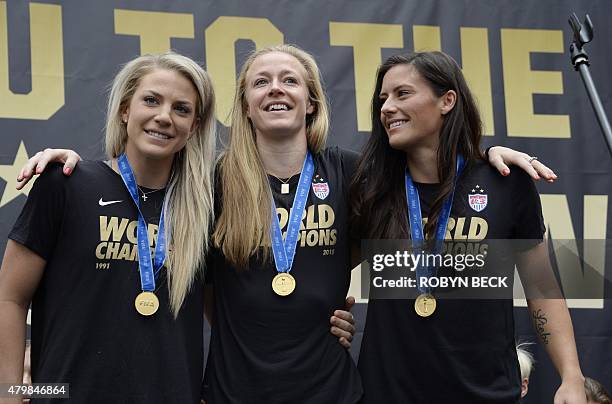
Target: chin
(157, 153)
(399, 144)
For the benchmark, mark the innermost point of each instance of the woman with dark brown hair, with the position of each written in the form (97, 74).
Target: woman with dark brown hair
(421, 165)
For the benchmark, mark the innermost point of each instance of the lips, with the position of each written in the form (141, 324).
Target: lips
(157, 134)
(395, 123)
(277, 106)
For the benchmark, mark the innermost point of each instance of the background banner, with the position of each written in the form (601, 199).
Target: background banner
(57, 59)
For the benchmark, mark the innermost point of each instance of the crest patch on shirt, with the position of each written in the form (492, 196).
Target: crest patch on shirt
(320, 187)
(478, 199)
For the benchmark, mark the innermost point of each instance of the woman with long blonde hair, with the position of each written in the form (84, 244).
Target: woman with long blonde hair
(110, 256)
(274, 296)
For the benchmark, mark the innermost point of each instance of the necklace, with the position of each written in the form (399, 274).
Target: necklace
(144, 194)
(284, 184)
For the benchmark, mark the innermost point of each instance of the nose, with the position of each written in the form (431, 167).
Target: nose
(163, 115)
(275, 87)
(388, 107)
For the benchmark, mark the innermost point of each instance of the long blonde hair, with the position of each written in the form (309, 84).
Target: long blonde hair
(189, 216)
(244, 222)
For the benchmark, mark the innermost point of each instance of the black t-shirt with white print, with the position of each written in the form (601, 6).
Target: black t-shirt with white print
(270, 349)
(85, 328)
(465, 351)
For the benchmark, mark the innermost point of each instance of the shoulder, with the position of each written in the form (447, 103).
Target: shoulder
(517, 179)
(92, 173)
(343, 158)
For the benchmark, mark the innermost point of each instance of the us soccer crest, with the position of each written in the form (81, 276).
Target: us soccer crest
(320, 187)
(478, 199)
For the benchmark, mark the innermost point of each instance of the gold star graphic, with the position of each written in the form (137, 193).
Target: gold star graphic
(9, 174)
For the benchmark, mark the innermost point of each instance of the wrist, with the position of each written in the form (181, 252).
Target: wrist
(571, 375)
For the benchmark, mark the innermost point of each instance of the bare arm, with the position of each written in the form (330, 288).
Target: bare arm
(20, 274)
(552, 323)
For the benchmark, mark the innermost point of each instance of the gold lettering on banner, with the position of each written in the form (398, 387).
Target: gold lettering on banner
(221, 37)
(47, 63)
(154, 28)
(367, 41)
(426, 38)
(476, 65)
(559, 224)
(475, 60)
(520, 83)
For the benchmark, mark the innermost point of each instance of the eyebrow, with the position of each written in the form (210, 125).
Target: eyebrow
(282, 73)
(155, 93)
(394, 89)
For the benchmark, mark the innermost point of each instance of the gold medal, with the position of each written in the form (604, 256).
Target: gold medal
(425, 305)
(283, 284)
(146, 303)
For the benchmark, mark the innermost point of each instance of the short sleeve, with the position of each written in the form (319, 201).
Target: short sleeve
(39, 223)
(528, 219)
(349, 161)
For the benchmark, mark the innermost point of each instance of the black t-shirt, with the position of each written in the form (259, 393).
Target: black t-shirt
(270, 349)
(465, 352)
(85, 329)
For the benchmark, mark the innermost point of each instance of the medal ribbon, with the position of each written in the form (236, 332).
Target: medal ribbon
(146, 268)
(284, 251)
(416, 220)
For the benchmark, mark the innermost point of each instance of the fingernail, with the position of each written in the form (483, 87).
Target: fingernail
(506, 171)
(67, 170)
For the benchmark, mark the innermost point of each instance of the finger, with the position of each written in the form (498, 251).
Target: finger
(349, 303)
(545, 172)
(345, 343)
(47, 156)
(340, 333)
(345, 315)
(22, 183)
(498, 163)
(528, 168)
(344, 325)
(71, 162)
(28, 168)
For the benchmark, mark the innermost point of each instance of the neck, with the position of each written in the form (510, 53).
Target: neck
(149, 173)
(282, 157)
(423, 165)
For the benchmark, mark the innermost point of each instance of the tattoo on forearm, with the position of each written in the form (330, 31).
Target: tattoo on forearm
(539, 320)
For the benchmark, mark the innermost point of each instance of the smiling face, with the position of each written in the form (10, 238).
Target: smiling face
(277, 96)
(160, 116)
(412, 114)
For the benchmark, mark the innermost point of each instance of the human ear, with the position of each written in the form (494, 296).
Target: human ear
(310, 108)
(125, 115)
(448, 101)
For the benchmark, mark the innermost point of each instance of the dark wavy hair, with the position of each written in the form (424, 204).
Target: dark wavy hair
(377, 191)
